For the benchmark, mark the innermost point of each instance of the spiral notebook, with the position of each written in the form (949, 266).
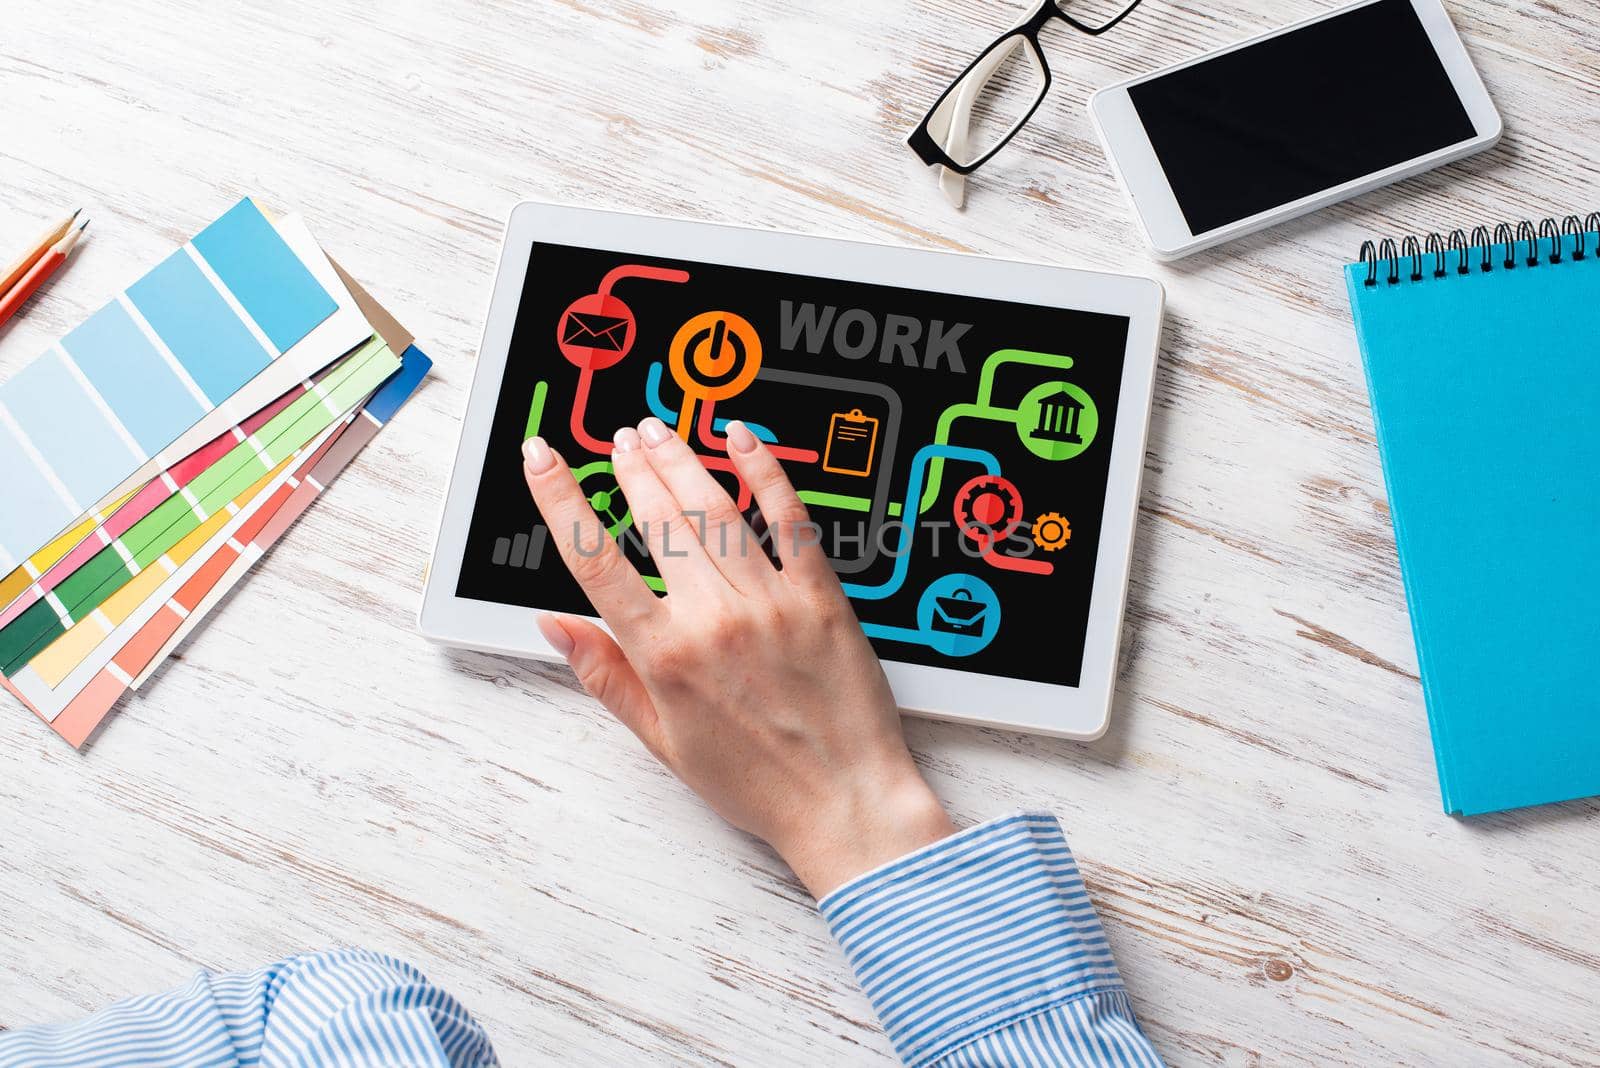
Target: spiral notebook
(1482, 365)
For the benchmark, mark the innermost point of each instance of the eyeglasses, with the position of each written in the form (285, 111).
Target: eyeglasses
(982, 110)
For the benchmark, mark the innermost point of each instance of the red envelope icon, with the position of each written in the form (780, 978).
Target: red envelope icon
(597, 330)
(607, 332)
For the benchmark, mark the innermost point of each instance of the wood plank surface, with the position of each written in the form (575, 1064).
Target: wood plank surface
(1261, 827)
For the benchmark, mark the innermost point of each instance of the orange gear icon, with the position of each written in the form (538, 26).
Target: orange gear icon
(1051, 531)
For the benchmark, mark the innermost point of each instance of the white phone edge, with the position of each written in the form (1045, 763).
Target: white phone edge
(1155, 208)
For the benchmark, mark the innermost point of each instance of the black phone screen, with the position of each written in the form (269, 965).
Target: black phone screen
(1299, 113)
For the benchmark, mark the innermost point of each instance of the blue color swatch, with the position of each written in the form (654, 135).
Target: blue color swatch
(185, 309)
(187, 301)
(263, 274)
(31, 504)
(64, 424)
(414, 367)
(137, 382)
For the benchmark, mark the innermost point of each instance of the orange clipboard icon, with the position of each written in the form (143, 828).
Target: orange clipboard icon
(852, 444)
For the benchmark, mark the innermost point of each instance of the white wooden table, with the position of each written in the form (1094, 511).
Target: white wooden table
(1261, 827)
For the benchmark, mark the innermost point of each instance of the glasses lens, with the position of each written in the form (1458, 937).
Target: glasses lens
(1095, 14)
(990, 101)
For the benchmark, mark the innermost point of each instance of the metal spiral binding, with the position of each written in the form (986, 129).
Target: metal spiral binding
(1548, 236)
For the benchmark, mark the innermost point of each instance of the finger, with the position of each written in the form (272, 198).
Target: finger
(614, 587)
(795, 538)
(604, 671)
(674, 540)
(730, 543)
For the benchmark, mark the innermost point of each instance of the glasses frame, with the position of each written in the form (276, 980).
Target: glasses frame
(930, 149)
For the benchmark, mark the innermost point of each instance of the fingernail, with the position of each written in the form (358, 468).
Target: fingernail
(556, 634)
(740, 438)
(537, 455)
(626, 439)
(654, 431)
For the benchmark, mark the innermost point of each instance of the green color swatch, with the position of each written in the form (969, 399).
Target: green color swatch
(87, 588)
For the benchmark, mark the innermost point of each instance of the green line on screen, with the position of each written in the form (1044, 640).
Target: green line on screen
(844, 501)
(536, 409)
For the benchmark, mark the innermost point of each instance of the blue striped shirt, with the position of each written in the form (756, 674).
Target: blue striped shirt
(344, 1007)
(979, 950)
(984, 949)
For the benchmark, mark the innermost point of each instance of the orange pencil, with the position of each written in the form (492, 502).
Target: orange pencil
(35, 252)
(48, 264)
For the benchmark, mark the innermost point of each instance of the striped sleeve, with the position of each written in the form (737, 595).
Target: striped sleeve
(349, 1007)
(984, 949)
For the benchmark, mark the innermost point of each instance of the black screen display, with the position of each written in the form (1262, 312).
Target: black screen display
(1302, 112)
(953, 451)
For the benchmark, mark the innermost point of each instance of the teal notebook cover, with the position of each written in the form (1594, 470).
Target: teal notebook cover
(1486, 398)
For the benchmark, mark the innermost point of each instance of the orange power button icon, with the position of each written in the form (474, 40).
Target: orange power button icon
(714, 355)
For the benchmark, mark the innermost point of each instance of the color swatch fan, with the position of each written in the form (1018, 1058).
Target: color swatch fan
(156, 451)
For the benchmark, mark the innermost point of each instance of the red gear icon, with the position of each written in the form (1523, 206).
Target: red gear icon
(988, 508)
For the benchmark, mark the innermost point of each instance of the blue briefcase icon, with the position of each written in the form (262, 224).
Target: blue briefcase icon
(959, 613)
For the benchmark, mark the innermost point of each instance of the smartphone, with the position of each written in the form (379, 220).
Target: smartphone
(1294, 120)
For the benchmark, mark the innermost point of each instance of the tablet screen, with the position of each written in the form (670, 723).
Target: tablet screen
(953, 450)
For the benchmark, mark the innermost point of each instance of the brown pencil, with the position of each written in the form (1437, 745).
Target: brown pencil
(34, 253)
(46, 266)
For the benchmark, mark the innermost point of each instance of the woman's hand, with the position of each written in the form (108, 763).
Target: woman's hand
(754, 685)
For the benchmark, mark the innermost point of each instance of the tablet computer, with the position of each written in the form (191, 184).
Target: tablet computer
(967, 433)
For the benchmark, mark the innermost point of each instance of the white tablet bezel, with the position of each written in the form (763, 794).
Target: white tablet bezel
(1143, 180)
(947, 693)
